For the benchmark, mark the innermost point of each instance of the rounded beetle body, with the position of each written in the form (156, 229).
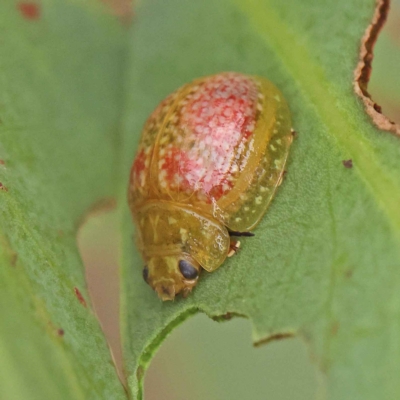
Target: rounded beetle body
(210, 159)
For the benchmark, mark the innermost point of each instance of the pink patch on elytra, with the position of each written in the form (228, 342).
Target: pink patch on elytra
(220, 116)
(29, 10)
(207, 136)
(178, 165)
(138, 172)
(222, 107)
(139, 164)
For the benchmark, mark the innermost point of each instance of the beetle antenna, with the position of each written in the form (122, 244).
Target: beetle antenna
(236, 233)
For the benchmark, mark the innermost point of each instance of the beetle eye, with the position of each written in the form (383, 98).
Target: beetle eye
(187, 270)
(145, 273)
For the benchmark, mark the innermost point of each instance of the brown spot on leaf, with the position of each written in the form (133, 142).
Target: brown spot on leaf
(348, 163)
(29, 10)
(228, 316)
(60, 332)
(275, 336)
(2, 162)
(13, 259)
(348, 274)
(2, 187)
(378, 108)
(80, 297)
(335, 328)
(223, 317)
(362, 72)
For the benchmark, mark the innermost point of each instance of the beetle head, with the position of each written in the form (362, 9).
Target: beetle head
(171, 274)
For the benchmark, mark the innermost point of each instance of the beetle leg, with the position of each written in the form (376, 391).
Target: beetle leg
(233, 248)
(186, 291)
(236, 233)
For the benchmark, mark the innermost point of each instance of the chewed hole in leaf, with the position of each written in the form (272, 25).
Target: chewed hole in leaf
(213, 360)
(384, 84)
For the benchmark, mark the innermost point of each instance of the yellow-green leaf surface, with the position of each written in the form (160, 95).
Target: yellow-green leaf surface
(324, 262)
(76, 87)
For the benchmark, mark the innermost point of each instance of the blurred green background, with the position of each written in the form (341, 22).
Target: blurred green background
(203, 359)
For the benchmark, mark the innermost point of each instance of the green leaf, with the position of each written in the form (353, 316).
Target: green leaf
(76, 88)
(324, 262)
(59, 108)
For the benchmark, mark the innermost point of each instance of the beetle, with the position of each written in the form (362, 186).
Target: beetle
(210, 159)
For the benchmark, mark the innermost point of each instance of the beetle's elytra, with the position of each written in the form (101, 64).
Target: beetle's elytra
(210, 159)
